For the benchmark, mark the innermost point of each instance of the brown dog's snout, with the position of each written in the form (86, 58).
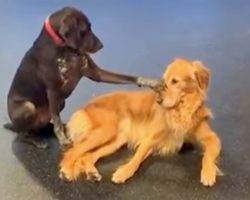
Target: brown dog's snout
(94, 43)
(97, 43)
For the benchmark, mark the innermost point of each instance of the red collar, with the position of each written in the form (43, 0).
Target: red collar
(55, 37)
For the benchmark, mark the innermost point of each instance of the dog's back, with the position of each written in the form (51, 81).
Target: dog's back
(129, 112)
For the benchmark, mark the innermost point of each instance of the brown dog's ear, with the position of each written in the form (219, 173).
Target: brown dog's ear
(67, 29)
(64, 27)
(202, 74)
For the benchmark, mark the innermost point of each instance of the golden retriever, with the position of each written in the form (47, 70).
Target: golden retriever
(149, 122)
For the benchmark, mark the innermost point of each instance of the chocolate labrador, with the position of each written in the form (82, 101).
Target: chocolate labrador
(51, 69)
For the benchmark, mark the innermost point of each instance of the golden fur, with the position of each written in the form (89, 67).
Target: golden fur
(146, 121)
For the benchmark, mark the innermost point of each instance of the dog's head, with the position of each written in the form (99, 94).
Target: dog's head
(183, 78)
(75, 29)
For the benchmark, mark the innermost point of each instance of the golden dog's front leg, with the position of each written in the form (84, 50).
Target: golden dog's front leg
(126, 171)
(211, 146)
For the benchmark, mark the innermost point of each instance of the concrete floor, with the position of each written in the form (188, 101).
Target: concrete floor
(139, 38)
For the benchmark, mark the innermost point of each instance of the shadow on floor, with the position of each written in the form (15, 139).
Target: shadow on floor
(175, 177)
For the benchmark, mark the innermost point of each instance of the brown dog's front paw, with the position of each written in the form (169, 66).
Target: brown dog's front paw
(159, 86)
(33, 139)
(63, 140)
(208, 175)
(65, 144)
(147, 82)
(122, 174)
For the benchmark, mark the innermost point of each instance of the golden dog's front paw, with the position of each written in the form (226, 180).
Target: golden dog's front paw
(208, 175)
(122, 174)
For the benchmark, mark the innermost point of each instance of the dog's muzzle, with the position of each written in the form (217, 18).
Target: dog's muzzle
(159, 98)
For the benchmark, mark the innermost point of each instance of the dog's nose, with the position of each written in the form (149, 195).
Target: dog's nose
(159, 99)
(99, 46)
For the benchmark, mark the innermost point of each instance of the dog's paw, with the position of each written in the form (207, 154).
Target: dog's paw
(63, 140)
(93, 175)
(122, 174)
(35, 140)
(65, 144)
(70, 172)
(65, 175)
(208, 175)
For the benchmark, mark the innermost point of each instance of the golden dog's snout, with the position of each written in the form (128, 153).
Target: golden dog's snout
(159, 99)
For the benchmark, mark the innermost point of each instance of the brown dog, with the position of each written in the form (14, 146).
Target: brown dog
(51, 69)
(147, 122)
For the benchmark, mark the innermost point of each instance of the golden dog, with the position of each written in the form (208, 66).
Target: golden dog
(147, 121)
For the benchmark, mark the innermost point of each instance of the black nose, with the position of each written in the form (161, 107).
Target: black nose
(99, 46)
(159, 99)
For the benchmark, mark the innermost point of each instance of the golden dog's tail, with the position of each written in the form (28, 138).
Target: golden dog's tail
(78, 125)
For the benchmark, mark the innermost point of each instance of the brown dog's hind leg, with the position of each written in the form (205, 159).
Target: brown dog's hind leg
(31, 137)
(25, 121)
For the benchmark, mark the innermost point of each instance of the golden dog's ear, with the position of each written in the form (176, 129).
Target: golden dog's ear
(202, 74)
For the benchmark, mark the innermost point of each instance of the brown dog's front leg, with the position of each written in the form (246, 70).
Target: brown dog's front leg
(55, 113)
(101, 75)
(95, 73)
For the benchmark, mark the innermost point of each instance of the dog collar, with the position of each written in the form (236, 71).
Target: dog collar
(55, 37)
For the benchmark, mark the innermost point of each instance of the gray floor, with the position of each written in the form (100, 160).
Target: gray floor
(139, 38)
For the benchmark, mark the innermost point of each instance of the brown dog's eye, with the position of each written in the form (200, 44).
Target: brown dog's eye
(174, 81)
(67, 34)
(82, 34)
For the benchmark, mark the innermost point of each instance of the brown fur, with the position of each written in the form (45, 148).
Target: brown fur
(147, 122)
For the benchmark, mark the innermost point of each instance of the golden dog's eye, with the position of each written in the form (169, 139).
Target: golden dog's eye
(174, 81)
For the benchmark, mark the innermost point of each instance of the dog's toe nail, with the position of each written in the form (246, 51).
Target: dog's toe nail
(65, 146)
(94, 176)
(42, 145)
(61, 175)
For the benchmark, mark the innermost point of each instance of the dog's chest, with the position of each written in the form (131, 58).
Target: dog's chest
(177, 128)
(69, 69)
(171, 143)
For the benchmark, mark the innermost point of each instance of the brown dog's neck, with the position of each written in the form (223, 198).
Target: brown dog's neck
(45, 44)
